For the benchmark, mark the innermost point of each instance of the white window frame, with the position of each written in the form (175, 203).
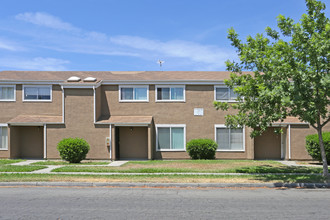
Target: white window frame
(224, 126)
(9, 100)
(223, 100)
(170, 86)
(171, 126)
(37, 86)
(133, 86)
(1, 126)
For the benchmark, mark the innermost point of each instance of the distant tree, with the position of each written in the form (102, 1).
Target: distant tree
(290, 74)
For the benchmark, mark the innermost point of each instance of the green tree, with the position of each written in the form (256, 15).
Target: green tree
(287, 74)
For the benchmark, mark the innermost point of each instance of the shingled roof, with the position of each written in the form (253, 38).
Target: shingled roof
(62, 76)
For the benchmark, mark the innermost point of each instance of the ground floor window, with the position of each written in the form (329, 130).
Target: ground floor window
(229, 139)
(3, 138)
(170, 137)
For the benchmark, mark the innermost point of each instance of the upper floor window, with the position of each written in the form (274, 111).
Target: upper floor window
(37, 93)
(170, 93)
(229, 139)
(3, 137)
(7, 93)
(223, 93)
(133, 93)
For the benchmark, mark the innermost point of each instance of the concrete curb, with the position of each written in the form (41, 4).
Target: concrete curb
(170, 185)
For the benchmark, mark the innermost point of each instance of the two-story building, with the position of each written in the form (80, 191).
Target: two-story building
(130, 115)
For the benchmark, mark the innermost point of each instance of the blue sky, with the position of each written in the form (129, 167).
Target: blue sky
(130, 35)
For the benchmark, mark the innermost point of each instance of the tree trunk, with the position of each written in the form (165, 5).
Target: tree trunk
(324, 158)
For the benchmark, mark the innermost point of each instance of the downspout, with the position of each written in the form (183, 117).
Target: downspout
(45, 141)
(63, 107)
(94, 94)
(289, 129)
(110, 142)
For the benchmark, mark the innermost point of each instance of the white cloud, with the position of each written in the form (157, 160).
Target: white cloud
(46, 20)
(37, 63)
(208, 54)
(178, 54)
(11, 46)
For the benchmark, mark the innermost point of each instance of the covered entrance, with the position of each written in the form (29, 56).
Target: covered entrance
(268, 145)
(27, 142)
(28, 135)
(131, 143)
(131, 137)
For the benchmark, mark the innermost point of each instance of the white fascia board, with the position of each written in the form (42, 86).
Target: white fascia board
(81, 85)
(288, 123)
(35, 124)
(78, 86)
(32, 82)
(123, 124)
(164, 82)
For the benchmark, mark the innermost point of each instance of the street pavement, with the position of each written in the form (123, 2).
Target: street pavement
(162, 203)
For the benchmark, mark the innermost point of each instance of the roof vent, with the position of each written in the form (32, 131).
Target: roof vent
(74, 79)
(89, 79)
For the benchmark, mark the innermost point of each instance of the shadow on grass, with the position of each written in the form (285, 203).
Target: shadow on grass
(291, 178)
(280, 169)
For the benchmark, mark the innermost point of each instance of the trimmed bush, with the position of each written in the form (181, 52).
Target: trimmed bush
(73, 150)
(313, 147)
(202, 149)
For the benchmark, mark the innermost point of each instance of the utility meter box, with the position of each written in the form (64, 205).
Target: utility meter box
(107, 141)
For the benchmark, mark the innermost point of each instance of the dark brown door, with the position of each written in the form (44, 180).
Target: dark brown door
(31, 142)
(133, 143)
(268, 145)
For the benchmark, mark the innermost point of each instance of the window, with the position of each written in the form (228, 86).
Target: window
(171, 137)
(229, 139)
(170, 93)
(224, 94)
(37, 93)
(133, 93)
(7, 93)
(3, 138)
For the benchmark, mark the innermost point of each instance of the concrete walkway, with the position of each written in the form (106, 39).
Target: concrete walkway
(117, 163)
(27, 162)
(48, 169)
(294, 163)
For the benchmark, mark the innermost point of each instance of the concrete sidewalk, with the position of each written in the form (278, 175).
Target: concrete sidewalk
(168, 185)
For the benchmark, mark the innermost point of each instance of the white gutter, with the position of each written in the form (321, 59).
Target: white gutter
(289, 130)
(94, 96)
(63, 105)
(123, 124)
(45, 141)
(110, 142)
(164, 82)
(34, 82)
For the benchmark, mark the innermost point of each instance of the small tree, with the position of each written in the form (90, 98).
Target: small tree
(73, 150)
(290, 76)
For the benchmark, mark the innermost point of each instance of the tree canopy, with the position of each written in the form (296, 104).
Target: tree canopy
(287, 73)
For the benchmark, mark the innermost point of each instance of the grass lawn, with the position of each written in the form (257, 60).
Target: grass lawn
(9, 161)
(162, 179)
(198, 166)
(54, 162)
(13, 168)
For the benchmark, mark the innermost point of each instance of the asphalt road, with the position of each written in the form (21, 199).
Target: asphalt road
(154, 203)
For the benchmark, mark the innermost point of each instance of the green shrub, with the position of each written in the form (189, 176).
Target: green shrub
(202, 149)
(313, 147)
(73, 150)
